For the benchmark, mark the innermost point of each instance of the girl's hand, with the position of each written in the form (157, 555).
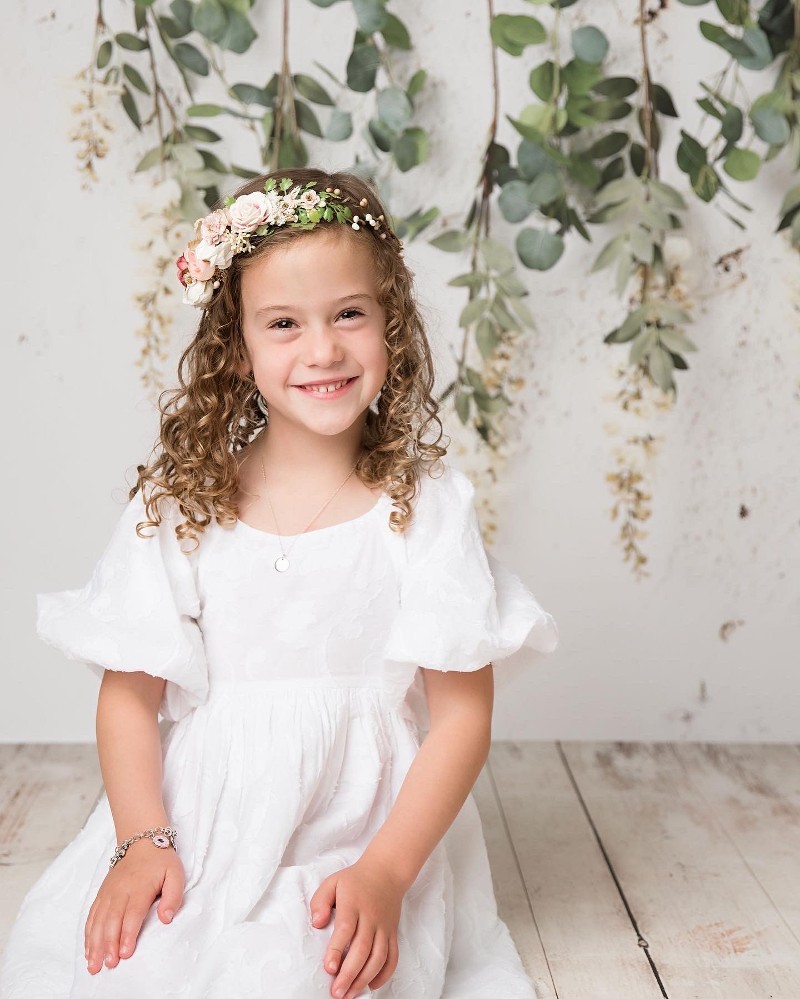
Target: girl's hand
(367, 900)
(124, 898)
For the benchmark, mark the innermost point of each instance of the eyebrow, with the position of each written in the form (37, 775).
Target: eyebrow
(265, 309)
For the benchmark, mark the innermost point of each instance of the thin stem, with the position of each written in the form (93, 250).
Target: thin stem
(651, 157)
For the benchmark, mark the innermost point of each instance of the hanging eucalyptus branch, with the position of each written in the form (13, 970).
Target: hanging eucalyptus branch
(771, 121)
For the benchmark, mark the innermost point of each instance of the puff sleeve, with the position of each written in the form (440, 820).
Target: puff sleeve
(460, 608)
(138, 612)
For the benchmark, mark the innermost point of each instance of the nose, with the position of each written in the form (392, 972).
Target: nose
(322, 346)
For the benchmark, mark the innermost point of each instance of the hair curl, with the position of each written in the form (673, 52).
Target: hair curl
(213, 413)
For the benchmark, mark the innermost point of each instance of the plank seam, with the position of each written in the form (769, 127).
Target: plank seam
(518, 866)
(645, 946)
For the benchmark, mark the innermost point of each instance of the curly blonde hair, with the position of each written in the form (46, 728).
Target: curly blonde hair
(213, 413)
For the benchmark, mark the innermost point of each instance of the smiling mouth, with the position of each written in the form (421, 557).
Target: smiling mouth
(327, 387)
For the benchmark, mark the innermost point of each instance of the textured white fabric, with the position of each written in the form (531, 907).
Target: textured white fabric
(292, 695)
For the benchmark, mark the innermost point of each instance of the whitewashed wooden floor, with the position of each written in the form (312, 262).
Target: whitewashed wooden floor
(624, 870)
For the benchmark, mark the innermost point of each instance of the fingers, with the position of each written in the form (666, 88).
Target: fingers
(322, 901)
(388, 969)
(104, 935)
(365, 958)
(344, 928)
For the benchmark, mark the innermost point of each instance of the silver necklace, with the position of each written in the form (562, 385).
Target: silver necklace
(281, 563)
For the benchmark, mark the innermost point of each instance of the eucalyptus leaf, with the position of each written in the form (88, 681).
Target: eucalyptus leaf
(486, 338)
(416, 83)
(191, 58)
(660, 366)
(104, 54)
(538, 249)
(514, 32)
(523, 312)
(514, 201)
(308, 87)
(742, 164)
(150, 159)
(472, 311)
(533, 159)
(791, 200)
(675, 340)
(617, 87)
(471, 279)
(395, 33)
(135, 78)
(381, 134)
(589, 44)
(610, 252)
(732, 124)
(642, 344)
(734, 11)
(340, 126)
(542, 80)
(205, 110)
(410, 149)
(371, 15)
(133, 43)
(249, 94)
(394, 108)
(504, 318)
(580, 76)
(641, 243)
(213, 162)
(629, 328)
(201, 134)
(129, 104)
(770, 125)
(306, 119)
(496, 256)
(362, 67)
(210, 18)
(463, 403)
(452, 241)
(187, 156)
(609, 145)
(663, 101)
(240, 34)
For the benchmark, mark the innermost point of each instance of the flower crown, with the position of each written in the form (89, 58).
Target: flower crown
(230, 230)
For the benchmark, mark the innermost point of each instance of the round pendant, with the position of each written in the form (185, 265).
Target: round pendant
(281, 563)
(162, 842)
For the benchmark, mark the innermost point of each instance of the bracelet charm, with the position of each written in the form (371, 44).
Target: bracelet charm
(162, 837)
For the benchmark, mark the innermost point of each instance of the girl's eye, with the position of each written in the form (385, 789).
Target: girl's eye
(351, 314)
(282, 324)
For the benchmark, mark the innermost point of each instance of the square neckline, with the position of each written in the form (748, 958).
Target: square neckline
(318, 530)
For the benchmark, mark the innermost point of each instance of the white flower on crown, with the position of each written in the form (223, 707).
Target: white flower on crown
(198, 293)
(308, 198)
(219, 254)
(250, 211)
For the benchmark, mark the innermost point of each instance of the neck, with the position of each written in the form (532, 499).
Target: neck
(289, 451)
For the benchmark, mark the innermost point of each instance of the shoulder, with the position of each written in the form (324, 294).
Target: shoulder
(445, 496)
(446, 484)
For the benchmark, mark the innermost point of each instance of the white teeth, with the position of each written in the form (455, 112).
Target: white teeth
(327, 388)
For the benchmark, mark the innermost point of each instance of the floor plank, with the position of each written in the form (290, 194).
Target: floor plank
(754, 792)
(513, 904)
(713, 932)
(591, 947)
(46, 794)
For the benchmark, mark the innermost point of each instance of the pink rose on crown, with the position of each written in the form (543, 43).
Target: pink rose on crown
(183, 267)
(249, 211)
(200, 270)
(213, 226)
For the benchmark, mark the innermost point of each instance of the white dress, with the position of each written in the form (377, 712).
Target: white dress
(298, 705)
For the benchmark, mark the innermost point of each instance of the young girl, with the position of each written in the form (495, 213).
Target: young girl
(298, 583)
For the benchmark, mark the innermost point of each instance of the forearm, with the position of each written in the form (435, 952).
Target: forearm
(129, 748)
(435, 787)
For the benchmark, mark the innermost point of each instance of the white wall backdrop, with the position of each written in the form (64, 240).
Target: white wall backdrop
(645, 660)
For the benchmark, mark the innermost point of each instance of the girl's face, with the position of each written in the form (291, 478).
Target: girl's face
(310, 315)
